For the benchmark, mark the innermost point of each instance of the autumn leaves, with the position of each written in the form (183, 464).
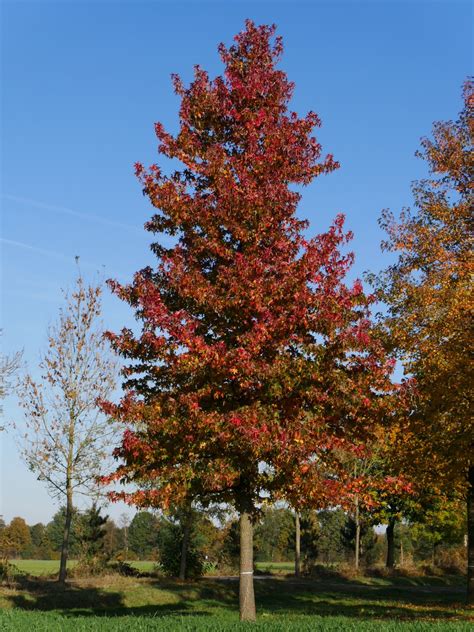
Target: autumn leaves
(258, 370)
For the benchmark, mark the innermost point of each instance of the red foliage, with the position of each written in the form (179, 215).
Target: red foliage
(256, 364)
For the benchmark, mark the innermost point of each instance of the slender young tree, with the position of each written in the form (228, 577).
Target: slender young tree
(255, 360)
(67, 437)
(429, 294)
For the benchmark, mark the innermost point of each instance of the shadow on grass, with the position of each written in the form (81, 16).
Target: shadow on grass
(360, 601)
(160, 598)
(77, 600)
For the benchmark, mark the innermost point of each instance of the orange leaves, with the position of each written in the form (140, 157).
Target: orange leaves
(254, 357)
(429, 293)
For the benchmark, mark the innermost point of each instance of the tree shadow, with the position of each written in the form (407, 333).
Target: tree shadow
(46, 596)
(207, 597)
(360, 601)
(74, 599)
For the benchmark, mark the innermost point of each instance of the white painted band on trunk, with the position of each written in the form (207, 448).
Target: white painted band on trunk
(246, 573)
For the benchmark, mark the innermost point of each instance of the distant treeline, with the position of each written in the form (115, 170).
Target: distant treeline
(327, 537)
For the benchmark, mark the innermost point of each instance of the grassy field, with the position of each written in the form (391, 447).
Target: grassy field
(135, 604)
(276, 568)
(39, 568)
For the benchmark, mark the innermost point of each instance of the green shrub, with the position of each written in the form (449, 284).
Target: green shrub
(170, 559)
(90, 567)
(123, 568)
(9, 573)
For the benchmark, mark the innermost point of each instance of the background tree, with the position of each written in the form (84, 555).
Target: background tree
(275, 535)
(428, 291)
(113, 539)
(194, 525)
(359, 538)
(442, 522)
(255, 359)
(55, 531)
(40, 545)
(380, 489)
(91, 540)
(194, 530)
(391, 506)
(67, 438)
(124, 524)
(16, 537)
(143, 535)
(330, 544)
(364, 463)
(310, 532)
(9, 365)
(37, 533)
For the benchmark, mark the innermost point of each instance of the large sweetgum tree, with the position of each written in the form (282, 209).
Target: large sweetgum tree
(255, 367)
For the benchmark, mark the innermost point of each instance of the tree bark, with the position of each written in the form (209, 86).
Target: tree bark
(390, 533)
(357, 534)
(470, 536)
(66, 538)
(297, 545)
(185, 545)
(246, 591)
(125, 540)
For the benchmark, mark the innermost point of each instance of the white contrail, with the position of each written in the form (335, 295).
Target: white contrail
(68, 211)
(47, 253)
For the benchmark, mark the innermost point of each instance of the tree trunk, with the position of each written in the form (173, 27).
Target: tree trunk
(390, 533)
(185, 545)
(297, 545)
(66, 537)
(357, 534)
(125, 540)
(69, 507)
(246, 592)
(470, 536)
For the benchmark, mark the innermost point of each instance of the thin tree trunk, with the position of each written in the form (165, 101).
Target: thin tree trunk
(185, 545)
(69, 507)
(66, 538)
(297, 545)
(470, 536)
(357, 534)
(246, 592)
(390, 533)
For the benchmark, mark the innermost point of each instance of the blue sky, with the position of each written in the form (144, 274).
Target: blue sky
(83, 83)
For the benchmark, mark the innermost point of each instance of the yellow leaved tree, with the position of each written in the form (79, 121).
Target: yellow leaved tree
(429, 320)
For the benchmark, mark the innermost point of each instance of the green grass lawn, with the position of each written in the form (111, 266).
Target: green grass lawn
(135, 604)
(276, 567)
(40, 568)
